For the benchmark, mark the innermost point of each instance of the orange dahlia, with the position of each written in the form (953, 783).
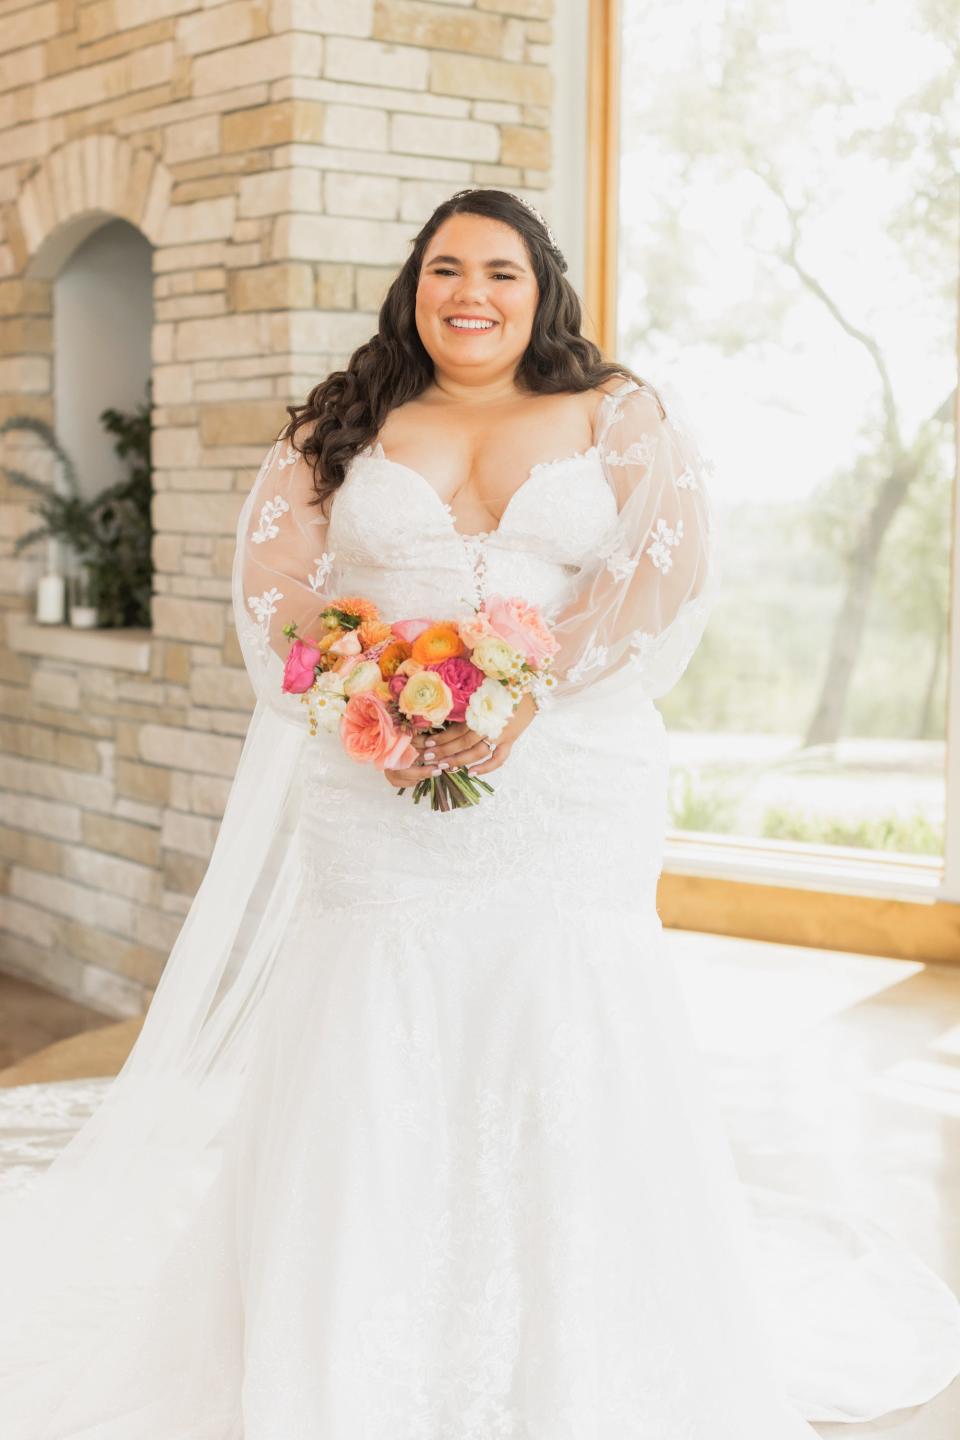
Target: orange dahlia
(391, 656)
(438, 642)
(355, 605)
(372, 632)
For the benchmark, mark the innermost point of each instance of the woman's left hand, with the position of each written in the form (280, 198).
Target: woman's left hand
(458, 745)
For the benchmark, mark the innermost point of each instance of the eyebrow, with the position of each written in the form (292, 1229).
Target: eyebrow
(455, 260)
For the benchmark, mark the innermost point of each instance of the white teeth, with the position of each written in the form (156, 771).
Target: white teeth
(471, 324)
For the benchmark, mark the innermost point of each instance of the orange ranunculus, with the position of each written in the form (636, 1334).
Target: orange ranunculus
(391, 656)
(373, 632)
(436, 643)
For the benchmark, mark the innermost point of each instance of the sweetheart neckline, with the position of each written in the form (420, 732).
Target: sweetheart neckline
(370, 453)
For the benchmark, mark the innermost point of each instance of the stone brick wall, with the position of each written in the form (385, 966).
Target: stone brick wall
(279, 155)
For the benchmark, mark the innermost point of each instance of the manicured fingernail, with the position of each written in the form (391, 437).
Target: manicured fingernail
(438, 771)
(444, 764)
(429, 755)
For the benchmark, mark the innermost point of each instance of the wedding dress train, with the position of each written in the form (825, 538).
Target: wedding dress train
(416, 1143)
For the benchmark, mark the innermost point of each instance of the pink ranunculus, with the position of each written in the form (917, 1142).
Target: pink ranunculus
(522, 626)
(396, 683)
(409, 629)
(461, 677)
(370, 736)
(299, 667)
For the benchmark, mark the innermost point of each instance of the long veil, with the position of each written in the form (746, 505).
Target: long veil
(84, 1241)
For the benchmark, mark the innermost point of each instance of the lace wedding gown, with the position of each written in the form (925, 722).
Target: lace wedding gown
(415, 1143)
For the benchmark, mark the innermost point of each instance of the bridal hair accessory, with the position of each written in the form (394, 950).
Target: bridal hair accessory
(527, 205)
(377, 683)
(554, 243)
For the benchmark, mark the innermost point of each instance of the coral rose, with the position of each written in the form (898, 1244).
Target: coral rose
(437, 642)
(299, 667)
(461, 678)
(370, 736)
(522, 626)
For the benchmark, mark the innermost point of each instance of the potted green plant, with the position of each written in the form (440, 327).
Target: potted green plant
(108, 536)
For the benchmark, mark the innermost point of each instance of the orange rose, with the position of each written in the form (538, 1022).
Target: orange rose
(436, 643)
(392, 656)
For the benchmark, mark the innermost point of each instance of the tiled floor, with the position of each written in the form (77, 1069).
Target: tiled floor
(838, 1076)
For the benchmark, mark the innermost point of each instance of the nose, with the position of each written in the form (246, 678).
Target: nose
(472, 288)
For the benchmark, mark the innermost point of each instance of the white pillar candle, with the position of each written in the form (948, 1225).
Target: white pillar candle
(50, 597)
(83, 617)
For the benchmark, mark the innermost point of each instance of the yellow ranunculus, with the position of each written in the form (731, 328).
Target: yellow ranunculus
(427, 695)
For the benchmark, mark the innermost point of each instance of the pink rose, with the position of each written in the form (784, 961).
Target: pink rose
(409, 629)
(298, 668)
(370, 736)
(461, 678)
(522, 626)
(475, 629)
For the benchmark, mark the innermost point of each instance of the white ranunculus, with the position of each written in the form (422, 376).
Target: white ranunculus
(489, 708)
(362, 677)
(496, 658)
(328, 708)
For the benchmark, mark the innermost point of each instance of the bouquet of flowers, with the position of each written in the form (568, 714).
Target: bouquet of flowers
(378, 683)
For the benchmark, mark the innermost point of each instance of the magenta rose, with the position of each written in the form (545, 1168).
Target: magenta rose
(461, 678)
(299, 667)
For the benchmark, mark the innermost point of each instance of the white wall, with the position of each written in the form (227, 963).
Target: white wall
(567, 197)
(102, 319)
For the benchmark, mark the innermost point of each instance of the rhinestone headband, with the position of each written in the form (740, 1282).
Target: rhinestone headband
(554, 243)
(551, 238)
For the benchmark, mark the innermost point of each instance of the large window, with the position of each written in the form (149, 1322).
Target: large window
(788, 257)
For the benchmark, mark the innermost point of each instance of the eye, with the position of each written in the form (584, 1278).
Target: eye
(502, 276)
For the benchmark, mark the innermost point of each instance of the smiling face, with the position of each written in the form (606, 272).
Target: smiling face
(476, 299)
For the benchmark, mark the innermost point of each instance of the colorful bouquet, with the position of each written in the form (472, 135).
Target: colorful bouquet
(378, 683)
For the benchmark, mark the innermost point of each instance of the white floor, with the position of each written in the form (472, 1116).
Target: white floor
(839, 1079)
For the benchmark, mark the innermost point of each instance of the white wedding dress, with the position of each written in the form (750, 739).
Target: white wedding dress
(427, 1152)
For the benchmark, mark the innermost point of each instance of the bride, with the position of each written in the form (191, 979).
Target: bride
(415, 1143)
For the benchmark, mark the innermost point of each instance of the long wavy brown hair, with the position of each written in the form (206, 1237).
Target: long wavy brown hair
(350, 406)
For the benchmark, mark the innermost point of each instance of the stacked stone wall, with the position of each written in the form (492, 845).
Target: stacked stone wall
(279, 155)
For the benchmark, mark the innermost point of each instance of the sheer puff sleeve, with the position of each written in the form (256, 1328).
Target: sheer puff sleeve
(643, 600)
(282, 572)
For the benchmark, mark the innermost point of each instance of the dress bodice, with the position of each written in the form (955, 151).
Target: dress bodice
(396, 541)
